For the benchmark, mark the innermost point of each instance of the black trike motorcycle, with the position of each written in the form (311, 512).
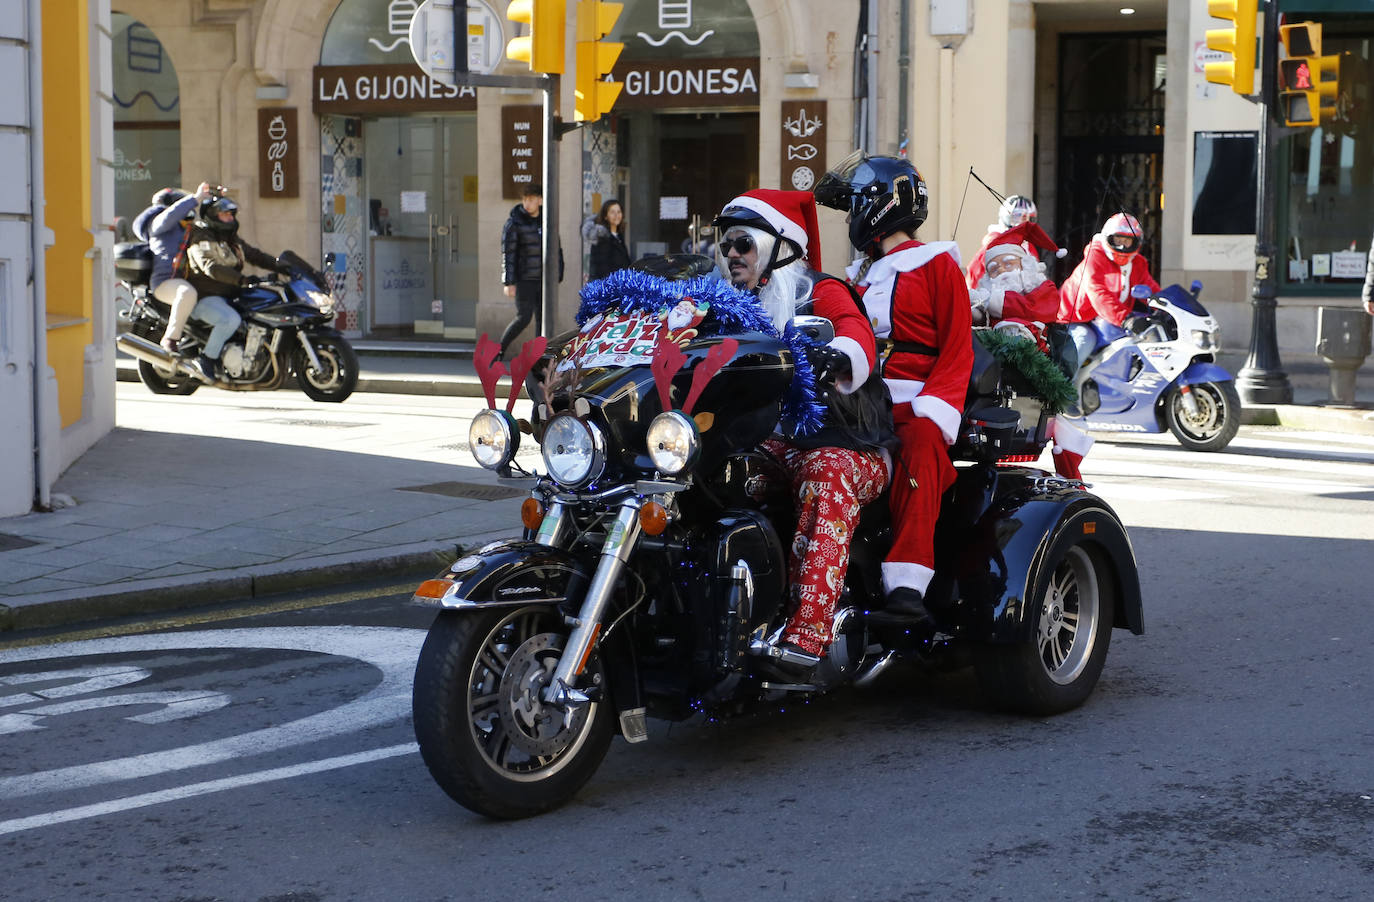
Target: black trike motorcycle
(652, 568)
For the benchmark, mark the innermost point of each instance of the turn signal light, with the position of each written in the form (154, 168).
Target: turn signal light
(532, 513)
(653, 518)
(433, 588)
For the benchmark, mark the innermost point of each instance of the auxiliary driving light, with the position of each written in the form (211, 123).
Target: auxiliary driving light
(673, 442)
(493, 438)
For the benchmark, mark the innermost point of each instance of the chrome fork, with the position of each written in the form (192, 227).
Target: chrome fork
(620, 541)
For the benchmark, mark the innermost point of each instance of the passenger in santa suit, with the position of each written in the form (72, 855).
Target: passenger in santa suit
(1013, 211)
(915, 296)
(770, 247)
(1014, 295)
(1100, 286)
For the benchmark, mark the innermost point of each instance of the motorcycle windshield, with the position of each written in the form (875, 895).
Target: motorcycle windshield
(1184, 300)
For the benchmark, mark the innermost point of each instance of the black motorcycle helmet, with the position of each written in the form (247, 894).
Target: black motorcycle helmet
(743, 216)
(881, 194)
(209, 216)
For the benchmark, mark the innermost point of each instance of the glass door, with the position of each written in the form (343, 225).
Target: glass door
(422, 216)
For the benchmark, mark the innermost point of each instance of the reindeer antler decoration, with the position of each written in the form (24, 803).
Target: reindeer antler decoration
(716, 358)
(667, 362)
(530, 351)
(489, 369)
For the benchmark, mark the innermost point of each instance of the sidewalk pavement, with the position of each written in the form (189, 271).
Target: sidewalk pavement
(369, 501)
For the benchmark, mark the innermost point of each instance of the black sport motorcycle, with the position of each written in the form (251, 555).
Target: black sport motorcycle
(652, 569)
(286, 329)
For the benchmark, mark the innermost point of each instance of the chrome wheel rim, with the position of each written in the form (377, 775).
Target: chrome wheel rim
(1069, 614)
(519, 735)
(330, 373)
(1207, 422)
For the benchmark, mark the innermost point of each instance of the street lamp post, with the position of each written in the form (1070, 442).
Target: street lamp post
(1262, 379)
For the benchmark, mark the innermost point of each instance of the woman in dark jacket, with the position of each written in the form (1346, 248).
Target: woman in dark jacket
(606, 235)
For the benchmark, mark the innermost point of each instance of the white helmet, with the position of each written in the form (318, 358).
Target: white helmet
(1015, 210)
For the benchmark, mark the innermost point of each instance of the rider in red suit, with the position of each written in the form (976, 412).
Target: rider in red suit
(1112, 265)
(915, 296)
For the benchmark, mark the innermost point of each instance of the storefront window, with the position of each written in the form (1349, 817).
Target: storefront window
(147, 117)
(1327, 173)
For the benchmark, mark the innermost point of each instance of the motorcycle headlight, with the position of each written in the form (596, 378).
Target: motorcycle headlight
(493, 438)
(574, 451)
(673, 442)
(322, 300)
(1206, 341)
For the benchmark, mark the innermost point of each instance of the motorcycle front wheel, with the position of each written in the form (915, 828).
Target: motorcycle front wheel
(338, 373)
(1214, 424)
(486, 735)
(1073, 610)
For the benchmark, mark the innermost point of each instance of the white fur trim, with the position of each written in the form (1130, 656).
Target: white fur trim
(941, 412)
(998, 250)
(903, 575)
(885, 268)
(858, 363)
(1068, 436)
(785, 226)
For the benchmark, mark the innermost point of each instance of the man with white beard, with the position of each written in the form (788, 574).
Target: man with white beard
(1014, 295)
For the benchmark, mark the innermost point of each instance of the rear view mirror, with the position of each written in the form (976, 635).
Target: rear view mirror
(817, 328)
(1140, 292)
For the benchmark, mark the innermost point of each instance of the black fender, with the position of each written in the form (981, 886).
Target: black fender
(520, 573)
(1005, 549)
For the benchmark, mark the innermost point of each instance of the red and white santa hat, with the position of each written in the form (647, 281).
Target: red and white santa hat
(788, 214)
(1017, 237)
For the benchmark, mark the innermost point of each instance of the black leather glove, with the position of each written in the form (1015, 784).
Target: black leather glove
(248, 281)
(830, 365)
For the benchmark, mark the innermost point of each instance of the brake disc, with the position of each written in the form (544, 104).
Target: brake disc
(535, 727)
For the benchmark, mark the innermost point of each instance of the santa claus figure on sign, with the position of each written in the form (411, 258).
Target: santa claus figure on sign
(1013, 294)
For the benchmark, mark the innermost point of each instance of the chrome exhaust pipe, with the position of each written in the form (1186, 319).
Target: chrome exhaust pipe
(154, 353)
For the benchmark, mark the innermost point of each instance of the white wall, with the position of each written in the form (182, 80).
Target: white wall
(16, 302)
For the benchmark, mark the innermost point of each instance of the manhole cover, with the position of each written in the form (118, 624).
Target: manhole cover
(326, 424)
(10, 543)
(474, 490)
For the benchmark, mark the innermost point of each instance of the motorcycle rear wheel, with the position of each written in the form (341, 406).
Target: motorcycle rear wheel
(160, 383)
(1073, 608)
(1217, 419)
(338, 373)
(487, 738)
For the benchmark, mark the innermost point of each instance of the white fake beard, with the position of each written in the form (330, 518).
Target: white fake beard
(1008, 280)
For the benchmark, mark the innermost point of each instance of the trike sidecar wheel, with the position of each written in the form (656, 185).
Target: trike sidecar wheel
(1072, 609)
(485, 734)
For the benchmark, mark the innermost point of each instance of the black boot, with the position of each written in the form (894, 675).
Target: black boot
(904, 607)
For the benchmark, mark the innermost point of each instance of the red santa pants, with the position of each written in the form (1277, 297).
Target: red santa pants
(922, 475)
(831, 485)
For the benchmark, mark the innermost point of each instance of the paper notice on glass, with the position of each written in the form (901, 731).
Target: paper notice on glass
(412, 201)
(1348, 265)
(1321, 265)
(672, 208)
(1297, 270)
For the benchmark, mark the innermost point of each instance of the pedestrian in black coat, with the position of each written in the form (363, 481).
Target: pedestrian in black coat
(522, 264)
(605, 235)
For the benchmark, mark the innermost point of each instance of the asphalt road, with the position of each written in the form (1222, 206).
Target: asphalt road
(267, 754)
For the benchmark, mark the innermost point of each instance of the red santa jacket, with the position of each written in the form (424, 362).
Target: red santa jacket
(916, 294)
(1098, 287)
(853, 334)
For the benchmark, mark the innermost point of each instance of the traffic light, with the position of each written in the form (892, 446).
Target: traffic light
(542, 48)
(1308, 81)
(593, 95)
(1239, 71)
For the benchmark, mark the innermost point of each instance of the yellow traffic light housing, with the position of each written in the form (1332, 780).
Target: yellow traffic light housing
(1239, 71)
(594, 95)
(1308, 81)
(542, 48)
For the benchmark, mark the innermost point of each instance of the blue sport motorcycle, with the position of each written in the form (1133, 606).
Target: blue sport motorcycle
(1158, 371)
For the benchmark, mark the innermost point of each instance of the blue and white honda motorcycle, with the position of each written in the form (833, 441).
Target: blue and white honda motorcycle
(1158, 371)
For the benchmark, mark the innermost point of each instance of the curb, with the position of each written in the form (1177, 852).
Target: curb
(1348, 420)
(147, 596)
(439, 386)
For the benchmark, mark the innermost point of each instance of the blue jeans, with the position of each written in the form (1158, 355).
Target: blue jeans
(1084, 340)
(222, 319)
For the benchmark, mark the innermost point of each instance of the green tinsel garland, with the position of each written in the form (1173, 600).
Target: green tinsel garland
(1047, 381)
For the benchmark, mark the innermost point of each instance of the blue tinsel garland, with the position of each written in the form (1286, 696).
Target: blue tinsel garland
(733, 312)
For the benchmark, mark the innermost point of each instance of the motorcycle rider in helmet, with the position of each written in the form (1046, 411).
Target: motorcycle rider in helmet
(165, 226)
(770, 247)
(915, 296)
(215, 256)
(1100, 286)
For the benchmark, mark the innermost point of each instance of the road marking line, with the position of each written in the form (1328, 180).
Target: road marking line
(114, 806)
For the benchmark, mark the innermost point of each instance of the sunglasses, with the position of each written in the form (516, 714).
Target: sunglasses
(742, 245)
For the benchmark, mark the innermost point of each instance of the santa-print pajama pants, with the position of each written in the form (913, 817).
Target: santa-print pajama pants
(831, 486)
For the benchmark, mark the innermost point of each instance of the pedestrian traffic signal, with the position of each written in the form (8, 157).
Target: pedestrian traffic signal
(1239, 71)
(594, 94)
(1308, 81)
(542, 48)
